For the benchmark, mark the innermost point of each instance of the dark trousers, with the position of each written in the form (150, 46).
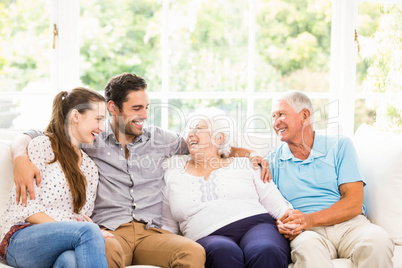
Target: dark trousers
(250, 242)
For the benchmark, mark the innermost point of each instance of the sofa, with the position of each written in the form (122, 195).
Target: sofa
(380, 156)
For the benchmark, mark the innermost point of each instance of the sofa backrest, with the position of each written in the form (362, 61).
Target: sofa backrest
(262, 144)
(6, 175)
(380, 156)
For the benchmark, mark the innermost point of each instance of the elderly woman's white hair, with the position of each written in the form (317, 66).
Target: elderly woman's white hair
(219, 124)
(298, 101)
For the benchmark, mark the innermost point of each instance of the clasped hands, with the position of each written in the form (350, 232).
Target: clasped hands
(293, 223)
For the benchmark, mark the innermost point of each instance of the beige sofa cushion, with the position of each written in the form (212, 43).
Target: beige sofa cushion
(380, 155)
(6, 179)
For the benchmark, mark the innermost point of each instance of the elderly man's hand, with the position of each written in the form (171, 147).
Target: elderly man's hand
(287, 230)
(298, 219)
(287, 227)
(259, 161)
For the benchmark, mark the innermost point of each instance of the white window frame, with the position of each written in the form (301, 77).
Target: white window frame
(343, 65)
(65, 67)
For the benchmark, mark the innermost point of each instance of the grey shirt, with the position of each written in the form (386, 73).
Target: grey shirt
(131, 188)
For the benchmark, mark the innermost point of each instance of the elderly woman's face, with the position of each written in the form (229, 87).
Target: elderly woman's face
(199, 137)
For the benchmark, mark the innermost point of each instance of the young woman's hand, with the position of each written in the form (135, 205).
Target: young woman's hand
(105, 233)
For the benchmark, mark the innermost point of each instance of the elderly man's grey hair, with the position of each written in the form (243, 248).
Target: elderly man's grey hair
(298, 101)
(219, 124)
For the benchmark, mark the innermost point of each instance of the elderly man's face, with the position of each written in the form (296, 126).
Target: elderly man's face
(288, 124)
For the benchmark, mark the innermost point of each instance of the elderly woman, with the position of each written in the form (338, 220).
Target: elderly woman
(221, 202)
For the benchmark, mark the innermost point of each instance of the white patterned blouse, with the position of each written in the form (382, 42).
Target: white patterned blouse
(53, 195)
(197, 207)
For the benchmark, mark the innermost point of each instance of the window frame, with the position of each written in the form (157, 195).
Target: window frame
(65, 67)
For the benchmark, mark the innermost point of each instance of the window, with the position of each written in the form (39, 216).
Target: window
(378, 69)
(25, 60)
(120, 36)
(234, 55)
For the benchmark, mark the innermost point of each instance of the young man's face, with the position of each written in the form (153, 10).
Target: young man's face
(133, 113)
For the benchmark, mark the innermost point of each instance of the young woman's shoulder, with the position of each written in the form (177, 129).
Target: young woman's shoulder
(40, 151)
(40, 145)
(89, 163)
(40, 140)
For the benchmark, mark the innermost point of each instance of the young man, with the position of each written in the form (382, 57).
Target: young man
(320, 176)
(129, 199)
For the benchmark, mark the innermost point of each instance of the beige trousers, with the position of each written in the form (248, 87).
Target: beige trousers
(134, 244)
(365, 244)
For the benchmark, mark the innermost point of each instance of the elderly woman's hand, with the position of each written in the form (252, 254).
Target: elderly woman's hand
(259, 161)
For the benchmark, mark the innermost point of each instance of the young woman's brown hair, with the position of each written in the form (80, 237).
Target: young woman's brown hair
(80, 99)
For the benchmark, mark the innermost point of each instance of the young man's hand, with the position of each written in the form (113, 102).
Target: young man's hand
(24, 173)
(259, 161)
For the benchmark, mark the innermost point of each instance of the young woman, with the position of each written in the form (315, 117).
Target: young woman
(52, 230)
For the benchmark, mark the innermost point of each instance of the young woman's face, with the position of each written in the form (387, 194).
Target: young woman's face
(89, 124)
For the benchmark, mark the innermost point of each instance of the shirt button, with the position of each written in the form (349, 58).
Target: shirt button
(133, 215)
(132, 190)
(108, 153)
(121, 149)
(132, 176)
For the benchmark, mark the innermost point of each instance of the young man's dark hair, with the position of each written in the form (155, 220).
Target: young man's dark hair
(120, 86)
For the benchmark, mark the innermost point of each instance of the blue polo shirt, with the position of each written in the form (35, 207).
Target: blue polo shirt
(313, 184)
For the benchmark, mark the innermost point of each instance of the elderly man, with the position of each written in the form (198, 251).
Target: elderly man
(320, 176)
